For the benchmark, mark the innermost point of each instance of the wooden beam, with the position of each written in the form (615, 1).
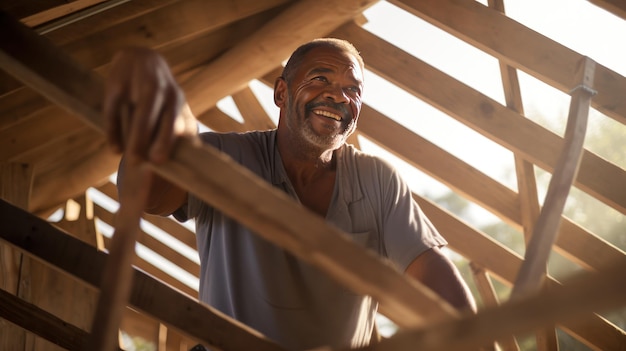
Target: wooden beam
(44, 242)
(41, 322)
(170, 25)
(185, 56)
(616, 7)
(158, 274)
(267, 48)
(100, 21)
(168, 225)
(530, 277)
(490, 299)
(72, 176)
(155, 245)
(504, 264)
(441, 165)
(279, 220)
(36, 132)
(526, 182)
(219, 121)
(59, 11)
(17, 105)
(520, 47)
(15, 186)
(253, 113)
(581, 294)
(596, 176)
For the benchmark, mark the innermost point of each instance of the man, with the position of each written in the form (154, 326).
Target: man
(319, 96)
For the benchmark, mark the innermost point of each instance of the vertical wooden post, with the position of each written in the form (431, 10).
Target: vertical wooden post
(490, 299)
(16, 181)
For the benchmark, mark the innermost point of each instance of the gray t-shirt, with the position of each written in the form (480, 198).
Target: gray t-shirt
(270, 290)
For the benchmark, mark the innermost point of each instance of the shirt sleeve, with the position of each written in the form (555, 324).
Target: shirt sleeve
(406, 231)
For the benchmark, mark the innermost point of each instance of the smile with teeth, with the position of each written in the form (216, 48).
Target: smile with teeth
(334, 116)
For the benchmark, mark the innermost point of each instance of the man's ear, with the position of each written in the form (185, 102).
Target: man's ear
(280, 92)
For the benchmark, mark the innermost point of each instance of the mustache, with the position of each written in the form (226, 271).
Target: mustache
(333, 105)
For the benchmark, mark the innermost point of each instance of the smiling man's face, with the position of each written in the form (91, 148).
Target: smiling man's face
(323, 100)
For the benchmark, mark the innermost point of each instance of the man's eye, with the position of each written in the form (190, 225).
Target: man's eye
(320, 78)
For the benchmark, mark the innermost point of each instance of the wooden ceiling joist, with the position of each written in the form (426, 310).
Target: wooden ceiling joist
(187, 20)
(41, 240)
(582, 294)
(267, 48)
(597, 176)
(616, 7)
(481, 249)
(255, 117)
(520, 47)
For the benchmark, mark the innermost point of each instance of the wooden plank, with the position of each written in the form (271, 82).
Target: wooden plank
(155, 245)
(585, 248)
(253, 113)
(77, 144)
(504, 265)
(100, 21)
(72, 176)
(530, 276)
(59, 11)
(441, 165)
(526, 182)
(490, 299)
(596, 176)
(267, 48)
(219, 121)
(158, 274)
(616, 7)
(520, 47)
(36, 132)
(15, 186)
(19, 104)
(581, 294)
(407, 302)
(185, 56)
(41, 322)
(172, 24)
(168, 225)
(44, 242)
(116, 280)
(18, 58)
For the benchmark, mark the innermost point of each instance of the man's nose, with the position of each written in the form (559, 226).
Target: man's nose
(336, 93)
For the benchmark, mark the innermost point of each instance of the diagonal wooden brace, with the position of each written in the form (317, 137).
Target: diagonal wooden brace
(530, 277)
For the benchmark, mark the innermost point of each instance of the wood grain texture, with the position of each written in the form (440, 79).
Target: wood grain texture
(520, 47)
(44, 242)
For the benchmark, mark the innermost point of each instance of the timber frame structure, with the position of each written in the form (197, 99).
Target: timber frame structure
(52, 58)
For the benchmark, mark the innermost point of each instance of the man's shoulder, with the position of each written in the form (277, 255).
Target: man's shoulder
(365, 160)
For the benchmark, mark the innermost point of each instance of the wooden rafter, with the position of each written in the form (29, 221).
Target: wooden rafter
(597, 176)
(520, 47)
(616, 7)
(44, 242)
(582, 294)
(267, 48)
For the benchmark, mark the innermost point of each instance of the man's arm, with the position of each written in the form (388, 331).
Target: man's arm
(145, 112)
(436, 271)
